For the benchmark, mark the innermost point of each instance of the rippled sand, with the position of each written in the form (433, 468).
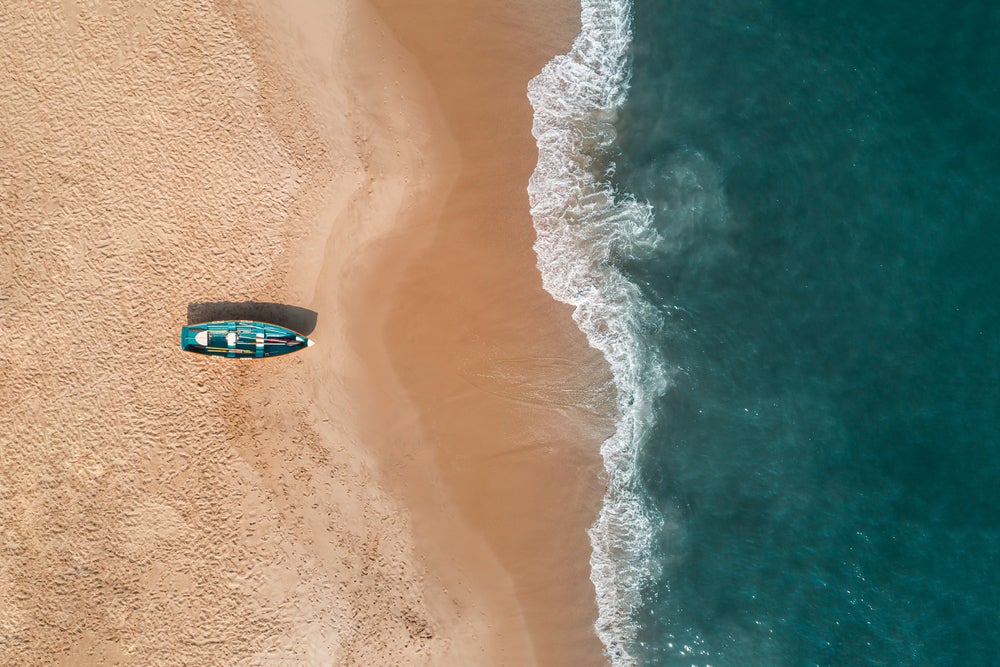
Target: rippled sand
(164, 508)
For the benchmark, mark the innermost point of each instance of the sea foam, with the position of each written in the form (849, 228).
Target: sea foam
(583, 226)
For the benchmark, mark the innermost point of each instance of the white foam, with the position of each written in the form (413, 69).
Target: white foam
(582, 225)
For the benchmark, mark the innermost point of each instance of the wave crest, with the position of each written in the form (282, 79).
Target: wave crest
(582, 227)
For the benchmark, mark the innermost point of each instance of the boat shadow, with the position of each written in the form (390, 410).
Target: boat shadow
(300, 320)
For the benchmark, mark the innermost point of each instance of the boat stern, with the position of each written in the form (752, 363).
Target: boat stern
(193, 337)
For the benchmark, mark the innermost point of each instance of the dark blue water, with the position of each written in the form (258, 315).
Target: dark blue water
(826, 179)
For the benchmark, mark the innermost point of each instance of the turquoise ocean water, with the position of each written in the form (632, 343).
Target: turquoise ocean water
(780, 222)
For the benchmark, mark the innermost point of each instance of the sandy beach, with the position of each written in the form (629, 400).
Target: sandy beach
(416, 488)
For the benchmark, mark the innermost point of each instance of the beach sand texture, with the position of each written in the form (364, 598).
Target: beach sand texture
(345, 505)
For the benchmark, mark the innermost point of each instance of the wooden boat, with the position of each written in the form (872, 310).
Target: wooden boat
(241, 339)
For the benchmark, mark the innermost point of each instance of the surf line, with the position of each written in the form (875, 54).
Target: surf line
(580, 221)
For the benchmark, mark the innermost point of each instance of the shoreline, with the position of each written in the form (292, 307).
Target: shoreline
(513, 402)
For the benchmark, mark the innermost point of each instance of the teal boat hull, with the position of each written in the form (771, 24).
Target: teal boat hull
(241, 339)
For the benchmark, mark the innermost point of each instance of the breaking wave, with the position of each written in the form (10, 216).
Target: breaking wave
(583, 229)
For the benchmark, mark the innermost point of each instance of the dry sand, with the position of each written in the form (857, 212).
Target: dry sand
(412, 490)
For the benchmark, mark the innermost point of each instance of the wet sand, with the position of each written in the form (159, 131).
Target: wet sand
(415, 488)
(513, 403)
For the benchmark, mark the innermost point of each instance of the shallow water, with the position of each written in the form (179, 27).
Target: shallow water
(811, 303)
